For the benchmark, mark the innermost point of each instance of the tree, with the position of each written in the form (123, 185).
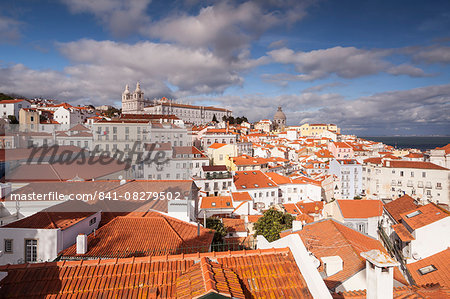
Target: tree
(272, 223)
(111, 112)
(219, 229)
(13, 119)
(214, 118)
(5, 97)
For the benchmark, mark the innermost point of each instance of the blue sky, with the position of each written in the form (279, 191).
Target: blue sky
(372, 67)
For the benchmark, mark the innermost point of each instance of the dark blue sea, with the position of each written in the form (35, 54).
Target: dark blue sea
(420, 142)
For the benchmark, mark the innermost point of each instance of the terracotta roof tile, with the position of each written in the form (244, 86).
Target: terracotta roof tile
(413, 164)
(143, 236)
(403, 233)
(217, 202)
(423, 216)
(269, 273)
(217, 145)
(400, 205)
(234, 225)
(252, 180)
(50, 220)
(406, 292)
(351, 208)
(329, 237)
(440, 261)
(241, 196)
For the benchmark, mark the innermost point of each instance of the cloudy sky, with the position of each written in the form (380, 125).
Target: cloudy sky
(372, 67)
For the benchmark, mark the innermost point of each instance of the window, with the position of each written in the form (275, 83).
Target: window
(213, 204)
(30, 250)
(427, 269)
(401, 173)
(93, 221)
(415, 213)
(228, 203)
(8, 246)
(424, 174)
(412, 174)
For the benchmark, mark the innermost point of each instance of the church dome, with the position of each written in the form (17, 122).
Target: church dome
(279, 115)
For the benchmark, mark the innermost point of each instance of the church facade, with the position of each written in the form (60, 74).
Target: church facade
(135, 103)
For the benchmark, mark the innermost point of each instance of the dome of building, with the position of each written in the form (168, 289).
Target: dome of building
(279, 115)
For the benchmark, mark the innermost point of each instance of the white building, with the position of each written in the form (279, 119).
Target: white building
(188, 113)
(349, 173)
(133, 102)
(40, 237)
(391, 179)
(12, 107)
(262, 189)
(441, 156)
(422, 232)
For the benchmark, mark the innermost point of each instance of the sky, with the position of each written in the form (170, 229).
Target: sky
(373, 68)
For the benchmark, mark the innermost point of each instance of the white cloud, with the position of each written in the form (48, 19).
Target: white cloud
(222, 27)
(432, 54)
(100, 70)
(424, 109)
(122, 17)
(9, 29)
(345, 62)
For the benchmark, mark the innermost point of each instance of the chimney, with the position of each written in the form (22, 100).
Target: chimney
(379, 274)
(297, 225)
(81, 244)
(332, 264)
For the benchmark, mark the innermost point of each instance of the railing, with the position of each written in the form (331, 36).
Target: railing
(396, 253)
(217, 247)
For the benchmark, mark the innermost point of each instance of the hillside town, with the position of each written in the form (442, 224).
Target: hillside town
(164, 199)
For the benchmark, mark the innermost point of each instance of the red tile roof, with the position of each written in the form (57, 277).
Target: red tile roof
(241, 196)
(440, 261)
(402, 232)
(352, 208)
(234, 225)
(214, 168)
(413, 164)
(445, 148)
(50, 220)
(426, 215)
(251, 180)
(217, 145)
(208, 277)
(406, 292)
(400, 205)
(329, 238)
(269, 273)
(156, 234)
(217, 202)
(254, 218)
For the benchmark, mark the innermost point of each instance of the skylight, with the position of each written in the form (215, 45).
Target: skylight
(415, 213)
(256, 185)
(427, 269)
(213, 204)
(244, 187)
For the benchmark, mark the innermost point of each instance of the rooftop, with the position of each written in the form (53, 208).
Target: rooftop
(149, 234)
(413, 164)
(217, 202)
(423, 216)
(435, 269)
(269, 273)
(351, 208)
(400, 205)
(50, 220)
(252, 180)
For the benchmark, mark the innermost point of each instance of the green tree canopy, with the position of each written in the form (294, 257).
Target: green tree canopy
(272, 223)
(217, 226)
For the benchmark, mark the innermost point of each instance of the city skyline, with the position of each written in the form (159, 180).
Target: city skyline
(373, 68)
